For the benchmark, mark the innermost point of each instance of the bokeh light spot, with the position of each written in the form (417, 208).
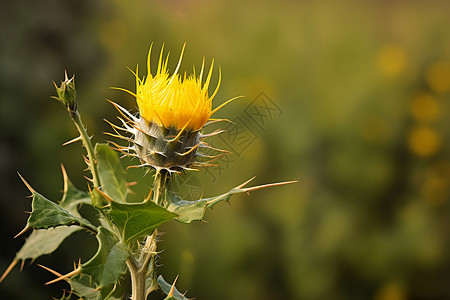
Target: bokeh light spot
(423, 141)
(392, 60)
(425, 108)
(438, 76)
(390, 291)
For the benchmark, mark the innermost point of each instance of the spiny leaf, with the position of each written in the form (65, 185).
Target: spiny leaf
(83, 286)
(73, 197)
(136, 220)
(45, 241)
(41, 242)
(170, 290)
(47, 214)
(189, 211)
(111, 173)
(109, 262)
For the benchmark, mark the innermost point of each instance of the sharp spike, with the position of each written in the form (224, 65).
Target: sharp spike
(72, 141)
(64, 277)
(170, 294)
(26, 183)
(104, 195)
(268, 185)
(9, 269)
(22, 232)
(189, 151)
(179, 133)
(50, 270)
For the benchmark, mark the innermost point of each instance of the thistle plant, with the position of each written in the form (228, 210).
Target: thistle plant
(167, 138)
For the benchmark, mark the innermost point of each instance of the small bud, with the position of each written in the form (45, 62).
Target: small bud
(67, 94)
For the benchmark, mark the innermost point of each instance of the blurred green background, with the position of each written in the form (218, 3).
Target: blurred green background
(362, 91)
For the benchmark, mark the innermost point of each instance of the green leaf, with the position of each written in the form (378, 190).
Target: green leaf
(73, 197)
(135, 220)
(83, 286)
(166, 288)
(45, 241)
(41, 242)
(106, 266)
(111, 173)
(189, 211)
(46, 214)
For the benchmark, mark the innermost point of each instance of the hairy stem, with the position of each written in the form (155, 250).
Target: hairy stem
(159, 187)
(88, 145)
(145, 266)
(138, 291)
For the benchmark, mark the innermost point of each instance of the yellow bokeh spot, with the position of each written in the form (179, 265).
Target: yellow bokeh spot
(438, 76)
(424, 108)
(392, 60)
(390, 291)
(423, 141)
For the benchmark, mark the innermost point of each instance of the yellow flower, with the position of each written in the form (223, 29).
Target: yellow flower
(173, 101)
(172, 111)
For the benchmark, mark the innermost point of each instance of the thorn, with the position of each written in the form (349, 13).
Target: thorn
(149, 196)
(62, 277)
(104, 195)
(170, 294)
(50, 270)
(9, 269)
(63, 170)
(72, 141)
(22, 232)
(268, 185)
(26, 183)
(86, 160)
(245, 183)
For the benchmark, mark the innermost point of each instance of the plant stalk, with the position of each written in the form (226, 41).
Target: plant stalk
(88, 145)
(159, 187)
(138, 291)
(145, 265)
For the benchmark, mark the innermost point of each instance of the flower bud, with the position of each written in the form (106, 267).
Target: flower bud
(67, 94)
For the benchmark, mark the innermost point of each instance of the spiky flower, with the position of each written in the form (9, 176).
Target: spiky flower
(166, 134)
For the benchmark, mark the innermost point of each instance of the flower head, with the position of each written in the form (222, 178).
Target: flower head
(172, 101)
(172, 111)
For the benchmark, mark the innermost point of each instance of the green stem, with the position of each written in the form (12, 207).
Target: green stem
(145, 265)
(159, 187)
(88, 145)
(137, 280)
